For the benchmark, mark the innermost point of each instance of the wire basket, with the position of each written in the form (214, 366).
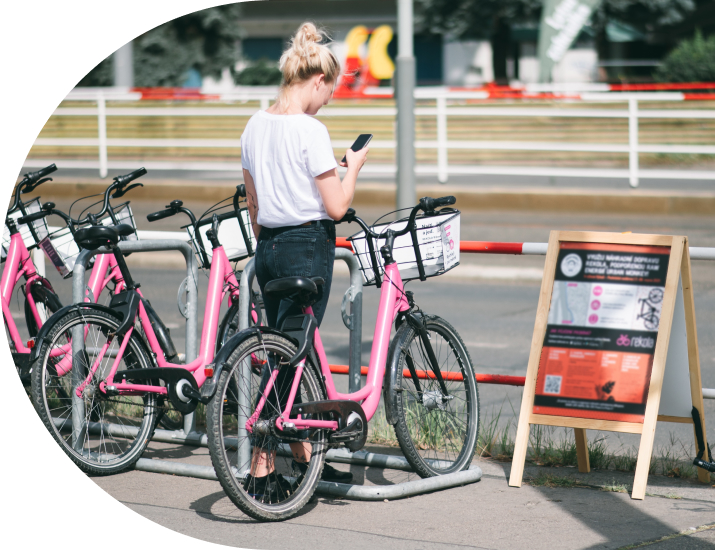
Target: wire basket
(232, 234)
(122, 214)
(437, 240)
(62, 250)
(40, 227)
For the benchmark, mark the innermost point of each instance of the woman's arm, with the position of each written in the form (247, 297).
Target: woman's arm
(337, 196)
(251, 201)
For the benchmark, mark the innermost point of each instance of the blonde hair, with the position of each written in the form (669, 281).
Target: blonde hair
(305, 58)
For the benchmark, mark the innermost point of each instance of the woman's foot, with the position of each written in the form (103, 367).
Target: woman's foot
(329, 473)
(270, 489)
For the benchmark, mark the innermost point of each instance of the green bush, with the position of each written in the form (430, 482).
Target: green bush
(261, 73)
(692, 61)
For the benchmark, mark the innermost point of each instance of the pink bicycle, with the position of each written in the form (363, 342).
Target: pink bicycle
(100, 375)
(40, 297)
(273, 400)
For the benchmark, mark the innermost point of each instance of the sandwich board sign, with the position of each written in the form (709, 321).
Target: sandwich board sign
(614, 345)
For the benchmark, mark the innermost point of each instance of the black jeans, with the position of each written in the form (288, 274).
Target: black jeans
(303, 251)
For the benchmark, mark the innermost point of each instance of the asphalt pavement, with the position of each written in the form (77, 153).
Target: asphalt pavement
(491, 300)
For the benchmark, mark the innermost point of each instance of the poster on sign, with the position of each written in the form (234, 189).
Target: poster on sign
(601, 333)
(614, 333)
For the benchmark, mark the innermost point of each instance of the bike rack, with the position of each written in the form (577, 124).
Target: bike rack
(341, 490)
(191, 285)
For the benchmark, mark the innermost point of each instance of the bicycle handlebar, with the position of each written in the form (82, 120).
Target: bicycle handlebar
(29, 183)
(48, 208)
(121, 181)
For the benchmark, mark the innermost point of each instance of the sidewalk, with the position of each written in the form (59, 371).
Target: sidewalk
(592, 513)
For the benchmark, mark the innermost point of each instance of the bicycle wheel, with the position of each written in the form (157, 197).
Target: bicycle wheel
(235, 452)
(46, 302)
(437, 436)
(108, 433)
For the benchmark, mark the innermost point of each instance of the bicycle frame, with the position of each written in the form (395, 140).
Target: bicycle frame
(222, 282)
(18, 264)
(392, 302)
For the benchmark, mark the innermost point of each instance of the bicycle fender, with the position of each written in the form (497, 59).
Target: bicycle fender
(208, 388)
(52, 321)
(389, 386)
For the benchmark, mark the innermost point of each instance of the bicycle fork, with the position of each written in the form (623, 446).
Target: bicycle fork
(430, 400)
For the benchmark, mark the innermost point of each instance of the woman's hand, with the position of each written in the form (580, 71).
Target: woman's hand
(355, 159)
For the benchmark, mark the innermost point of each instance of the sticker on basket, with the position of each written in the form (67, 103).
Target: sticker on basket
(450, 243)
(53, 255)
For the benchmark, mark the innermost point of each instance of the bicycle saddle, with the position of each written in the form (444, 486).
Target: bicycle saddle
(100, 235)
(302, 290)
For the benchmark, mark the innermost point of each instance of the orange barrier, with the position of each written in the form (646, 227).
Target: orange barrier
(500, 379)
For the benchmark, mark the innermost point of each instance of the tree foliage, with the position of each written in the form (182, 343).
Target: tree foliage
(204, 40)
(644, 15)
(473, 18)
(691, 61)
(260, 73)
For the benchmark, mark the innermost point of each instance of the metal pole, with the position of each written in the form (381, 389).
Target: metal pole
(102, 130)
(633, 141)
(79, 427)
(124, 66)
(243, 456)
(405, 95)
(442, 162)
(192, 306)
(355, 293)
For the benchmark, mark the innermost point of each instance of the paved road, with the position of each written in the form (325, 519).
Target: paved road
(495, 318)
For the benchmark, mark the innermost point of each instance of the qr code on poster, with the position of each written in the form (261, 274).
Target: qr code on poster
(553, 384)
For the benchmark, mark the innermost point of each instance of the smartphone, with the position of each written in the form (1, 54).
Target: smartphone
(361, 141)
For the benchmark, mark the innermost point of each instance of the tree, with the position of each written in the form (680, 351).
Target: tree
(492, 20)
(647, 16)
(205, 41)
(479, 19)
(692, 61)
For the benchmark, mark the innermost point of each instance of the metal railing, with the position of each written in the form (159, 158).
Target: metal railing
(442, 111)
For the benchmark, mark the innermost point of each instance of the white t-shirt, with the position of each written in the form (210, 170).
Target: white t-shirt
(284, 154)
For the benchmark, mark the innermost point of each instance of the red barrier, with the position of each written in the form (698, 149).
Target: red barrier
(500, 379)
(487, 247)
(473, 247)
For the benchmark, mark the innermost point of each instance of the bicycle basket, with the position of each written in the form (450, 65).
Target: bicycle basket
(40, 227)
(230, 235)
(437, 239)
(122, 214)
(61, 250)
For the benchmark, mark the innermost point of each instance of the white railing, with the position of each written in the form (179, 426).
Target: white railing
(442, 144)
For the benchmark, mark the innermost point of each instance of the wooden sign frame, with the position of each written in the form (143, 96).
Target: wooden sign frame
(678, 269)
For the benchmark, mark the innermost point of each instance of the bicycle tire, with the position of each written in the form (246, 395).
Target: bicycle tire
(44, 297)
(436, 439)
(231, 449)
(116, 429)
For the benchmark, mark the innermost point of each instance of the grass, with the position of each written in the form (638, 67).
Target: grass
(552, 481)
(553, 447)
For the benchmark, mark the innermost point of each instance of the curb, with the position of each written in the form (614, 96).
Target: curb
(612, 201)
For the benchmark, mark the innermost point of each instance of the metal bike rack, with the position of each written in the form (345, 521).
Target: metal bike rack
(191, 437)
(192, 322)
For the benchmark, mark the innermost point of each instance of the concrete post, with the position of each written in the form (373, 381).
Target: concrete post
(124, 66)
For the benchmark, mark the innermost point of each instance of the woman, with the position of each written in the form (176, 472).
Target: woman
(294, 194)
